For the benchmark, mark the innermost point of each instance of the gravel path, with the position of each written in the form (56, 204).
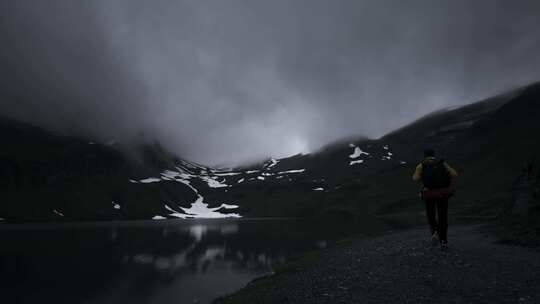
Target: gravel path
(404, 267)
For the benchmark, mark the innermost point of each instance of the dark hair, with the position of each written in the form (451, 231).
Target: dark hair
(429, 152)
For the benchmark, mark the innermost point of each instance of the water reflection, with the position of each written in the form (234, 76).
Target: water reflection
(153, 262)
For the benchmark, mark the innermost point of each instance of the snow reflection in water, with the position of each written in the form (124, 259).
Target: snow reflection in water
(171, 261)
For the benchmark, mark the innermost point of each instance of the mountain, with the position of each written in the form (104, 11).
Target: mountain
(45, 176)
(488, 142)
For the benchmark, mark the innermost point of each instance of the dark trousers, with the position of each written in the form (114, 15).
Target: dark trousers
(437, 207)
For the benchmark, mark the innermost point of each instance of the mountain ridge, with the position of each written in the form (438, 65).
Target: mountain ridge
(52, 177)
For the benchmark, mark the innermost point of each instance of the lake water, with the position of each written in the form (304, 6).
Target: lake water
(173, 261)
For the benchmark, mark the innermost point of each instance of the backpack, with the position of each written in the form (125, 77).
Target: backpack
(435, 175)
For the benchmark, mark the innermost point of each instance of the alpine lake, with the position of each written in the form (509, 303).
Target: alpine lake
(166, 261)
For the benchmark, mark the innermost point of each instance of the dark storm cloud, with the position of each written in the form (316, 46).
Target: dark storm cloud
(58, 71)
(230, 81)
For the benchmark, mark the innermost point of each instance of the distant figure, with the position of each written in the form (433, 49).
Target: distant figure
(436, 177)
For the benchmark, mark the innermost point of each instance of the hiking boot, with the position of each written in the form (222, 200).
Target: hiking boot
(435, 238)
(444, 245)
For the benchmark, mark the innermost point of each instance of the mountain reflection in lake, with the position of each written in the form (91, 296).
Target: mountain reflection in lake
(180, 261)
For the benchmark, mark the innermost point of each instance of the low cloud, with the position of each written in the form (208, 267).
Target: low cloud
(224, 82)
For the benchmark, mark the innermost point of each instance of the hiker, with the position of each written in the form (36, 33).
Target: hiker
(436, 177)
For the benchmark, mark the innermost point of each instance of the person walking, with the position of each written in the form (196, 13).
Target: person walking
(436, 177)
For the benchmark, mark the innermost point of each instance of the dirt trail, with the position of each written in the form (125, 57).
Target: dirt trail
(403, 267)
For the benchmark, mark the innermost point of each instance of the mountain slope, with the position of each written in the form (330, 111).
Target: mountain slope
(44, 176)
(487, 142)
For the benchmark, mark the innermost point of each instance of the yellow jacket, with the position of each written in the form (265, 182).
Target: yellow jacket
(417, 176)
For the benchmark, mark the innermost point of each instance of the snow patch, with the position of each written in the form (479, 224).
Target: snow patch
(292, 171)
(228, 174)
(260, 178)
(176, 213)
(58, 212)
(150, 180)
(273, 162)
(170, 174)
(354, 162)
(213, 183)
(385, 147)
(183, 177)
(252, 171)
(133, 181)
(357, 153)
(199, 209)
(240, 180)
(227, 206)
(319, 189)
(178, 175)
(115, 205)
(158, 217)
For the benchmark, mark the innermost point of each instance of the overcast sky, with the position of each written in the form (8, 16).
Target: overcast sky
(224, 82)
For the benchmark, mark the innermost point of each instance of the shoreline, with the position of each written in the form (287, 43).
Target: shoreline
(403, 266)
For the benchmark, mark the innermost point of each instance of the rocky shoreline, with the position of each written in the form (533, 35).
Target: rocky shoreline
(404, 267)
